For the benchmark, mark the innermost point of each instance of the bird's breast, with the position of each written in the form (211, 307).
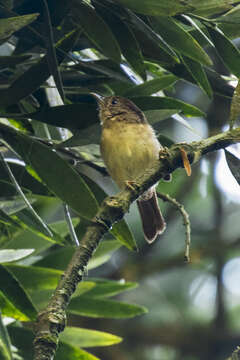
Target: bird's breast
(128, 149)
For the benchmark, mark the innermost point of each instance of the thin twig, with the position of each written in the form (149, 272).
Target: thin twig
(69, 222)
(21, 193)
(186, 221)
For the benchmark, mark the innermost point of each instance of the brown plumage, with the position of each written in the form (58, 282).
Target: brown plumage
(128, 147)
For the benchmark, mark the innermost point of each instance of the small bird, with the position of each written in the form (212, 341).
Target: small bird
(128, 147)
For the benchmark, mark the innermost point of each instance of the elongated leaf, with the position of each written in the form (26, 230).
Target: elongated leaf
(226, 50)
(5, 343)
(7, 220)
(152, 86)
(10, 25)
(59, 259)
(120, 230)
(10, 310)
(150, 39)
(154, 103)
(106, 288)
(154, 7)
(30, 81)
(59, 176)
(125, 37)
(103, 66)
(98, 308)
(198, 74)
(51, 51)
(15, 293)
(235, 106)
(67, 351)
(97, 31)
(234, 165)
(210, 7)
(88, 338)
(6, 61)
(180, 39)
(35, 278)
(74, 116)
(9, 255)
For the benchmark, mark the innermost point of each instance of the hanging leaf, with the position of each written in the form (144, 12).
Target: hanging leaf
(9, 255)
(152, 86)
(226, 49)
(154, 103)
(125, 37)
(177, 37)
(79, 337)
(98, 308)
(198, 73)
(10, 25)
(235, 106)
(35, 76)
(234, 165)
(155, 7)
(97, 31)
(5, 343)
(15, 293)
(58, 175)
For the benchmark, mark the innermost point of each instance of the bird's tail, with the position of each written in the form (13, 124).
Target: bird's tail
(152, 220)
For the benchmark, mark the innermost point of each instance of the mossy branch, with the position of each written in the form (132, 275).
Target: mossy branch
(51, 321)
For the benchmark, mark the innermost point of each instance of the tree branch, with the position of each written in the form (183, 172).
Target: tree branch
(51, 321)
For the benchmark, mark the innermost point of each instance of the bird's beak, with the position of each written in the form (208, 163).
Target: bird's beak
(98, 97)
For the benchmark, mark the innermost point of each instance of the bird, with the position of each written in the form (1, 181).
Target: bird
(128, 147)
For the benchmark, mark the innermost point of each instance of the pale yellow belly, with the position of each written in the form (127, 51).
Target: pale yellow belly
(128, 150)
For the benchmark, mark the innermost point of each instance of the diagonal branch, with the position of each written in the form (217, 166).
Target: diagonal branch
(51, 321)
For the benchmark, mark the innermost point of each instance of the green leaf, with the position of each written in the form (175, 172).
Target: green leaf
(51, 51)
(35, 76)
(151, 42)
(10, 25)
(234, 165)
(125, 37)
(35, 278)
(75, 116)
(103, 66)
(6, 61)
(7, 220)
(226, 49)
(235, 106)
(210, 7)
(67, 351)
(16, 294)
(5, 344)
(198, 74)
(122, 232)
(98, 308)
(175, 35)
(97, 31)
(60, 258)
(152, 86)
(155, 116)
(9, 255)
(88, 338)
(155, 7)
(103, 253)
(10, 310)
(106, 288)
(58, 175)
(154, 103)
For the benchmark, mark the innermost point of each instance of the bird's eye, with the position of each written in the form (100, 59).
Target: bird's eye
(114, 101)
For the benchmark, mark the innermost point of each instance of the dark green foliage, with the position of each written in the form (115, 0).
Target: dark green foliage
(168, 57)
